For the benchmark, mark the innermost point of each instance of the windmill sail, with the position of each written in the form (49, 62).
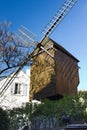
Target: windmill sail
(60, 14)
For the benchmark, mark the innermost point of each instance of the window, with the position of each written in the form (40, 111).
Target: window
(17, 88)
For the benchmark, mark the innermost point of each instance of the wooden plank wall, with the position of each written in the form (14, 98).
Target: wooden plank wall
(42, 76)
(66, 73)
(51, 77)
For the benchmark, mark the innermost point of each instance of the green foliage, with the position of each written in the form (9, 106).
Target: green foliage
(18, 116)
(50, 112)
(74, 106)
(46, 108)
(4, 120)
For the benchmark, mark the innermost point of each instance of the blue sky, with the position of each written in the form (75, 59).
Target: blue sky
(71, 32)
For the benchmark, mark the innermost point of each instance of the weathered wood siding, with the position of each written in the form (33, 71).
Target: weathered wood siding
(42, 79)
(67, 78)
(54, 76)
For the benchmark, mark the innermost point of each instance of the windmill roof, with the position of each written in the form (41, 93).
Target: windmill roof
(58, 46)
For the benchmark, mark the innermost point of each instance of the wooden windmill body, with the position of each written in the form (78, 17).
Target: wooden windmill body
(54, 76)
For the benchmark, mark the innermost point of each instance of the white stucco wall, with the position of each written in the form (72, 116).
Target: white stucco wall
(11, 99)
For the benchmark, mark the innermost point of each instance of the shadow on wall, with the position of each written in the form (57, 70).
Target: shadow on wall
(49, 91)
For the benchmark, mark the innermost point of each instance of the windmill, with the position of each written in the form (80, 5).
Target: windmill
(46, 47)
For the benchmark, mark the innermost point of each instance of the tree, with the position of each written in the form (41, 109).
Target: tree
(12, 50)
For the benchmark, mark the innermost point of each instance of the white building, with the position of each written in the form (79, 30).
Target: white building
(17, 93)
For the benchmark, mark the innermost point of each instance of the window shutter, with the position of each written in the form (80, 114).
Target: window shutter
(12, 88)
(21, 89)
(25, 89)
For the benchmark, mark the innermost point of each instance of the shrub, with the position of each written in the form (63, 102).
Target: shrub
(4, 120)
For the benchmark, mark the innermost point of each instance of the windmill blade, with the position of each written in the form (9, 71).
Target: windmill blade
(27, 39)
(60, 14)
(27, 34)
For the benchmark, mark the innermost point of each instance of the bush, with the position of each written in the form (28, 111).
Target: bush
(4, 120)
